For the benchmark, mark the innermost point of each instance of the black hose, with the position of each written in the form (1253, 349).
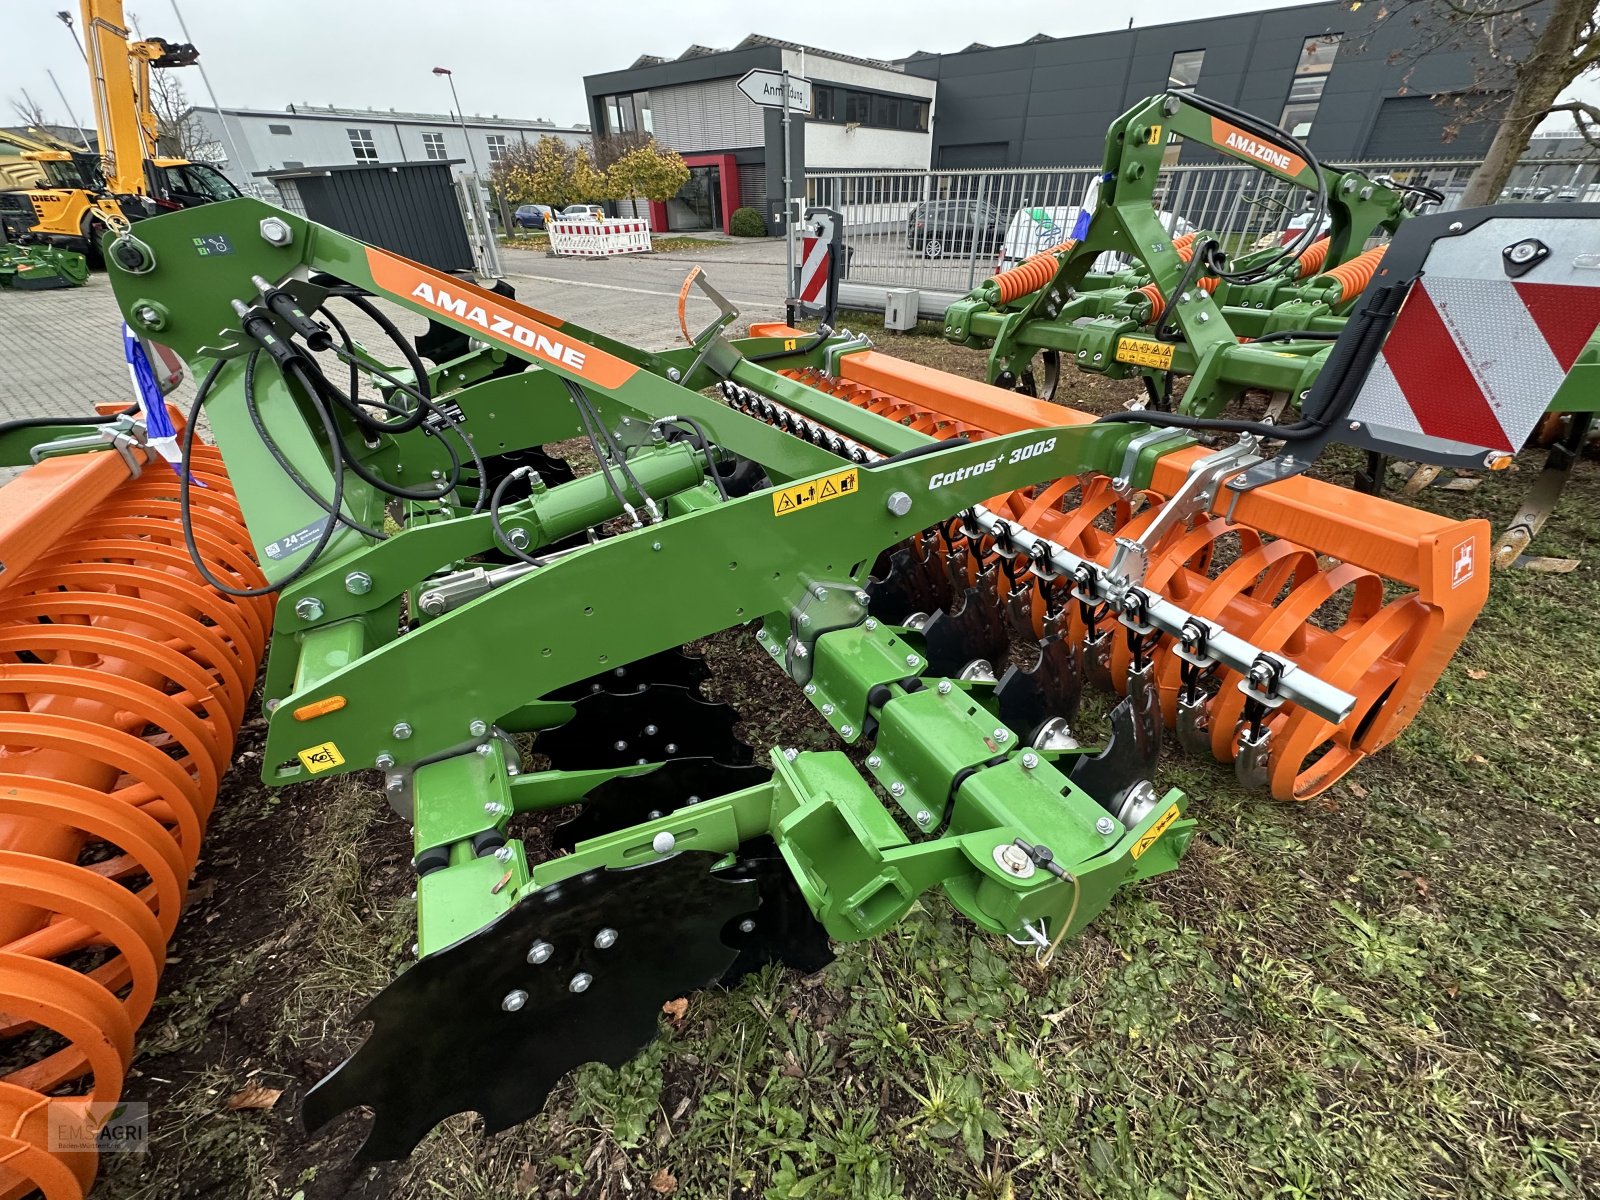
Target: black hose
(500, 534)
(185, 521)
(705, 448)
(44, 422)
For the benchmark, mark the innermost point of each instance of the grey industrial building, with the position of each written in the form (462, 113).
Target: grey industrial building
(1349, 82)
(1345, 80)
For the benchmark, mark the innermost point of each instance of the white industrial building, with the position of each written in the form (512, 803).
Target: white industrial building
(304, 135)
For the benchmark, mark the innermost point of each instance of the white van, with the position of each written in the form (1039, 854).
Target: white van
(1038, 227)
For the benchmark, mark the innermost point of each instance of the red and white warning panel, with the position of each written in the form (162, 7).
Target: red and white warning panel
(821, 258)
(599, 239)
(1486, 336)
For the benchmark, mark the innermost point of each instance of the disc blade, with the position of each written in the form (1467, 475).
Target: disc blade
(633, 800)
(653, 725)
(672, 668)
(445, 1038)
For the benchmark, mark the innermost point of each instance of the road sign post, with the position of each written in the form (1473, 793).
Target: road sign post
(774, 89)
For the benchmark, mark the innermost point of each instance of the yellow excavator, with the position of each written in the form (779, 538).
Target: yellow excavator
(78, 193)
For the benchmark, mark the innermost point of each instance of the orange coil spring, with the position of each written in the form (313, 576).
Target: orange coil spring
(1330, 618)
(1354, 275)
(123, 682)
(1032, 273)
(1311, 261)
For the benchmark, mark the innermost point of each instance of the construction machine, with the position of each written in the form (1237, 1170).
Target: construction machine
(80, 195)
(942, 567)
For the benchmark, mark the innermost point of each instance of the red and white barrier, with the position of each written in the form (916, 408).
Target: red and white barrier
(599, 239)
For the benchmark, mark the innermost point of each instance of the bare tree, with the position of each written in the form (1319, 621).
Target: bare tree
(28, 110)
(179, 133)
(1526, 54)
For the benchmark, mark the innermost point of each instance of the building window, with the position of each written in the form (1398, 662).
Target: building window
(626, 114)
(433, 145)
(875, 110)
(281, 129)
(1310, 76)
(1182, 77)
(497, 147)
(362, 145)
(1184, 73)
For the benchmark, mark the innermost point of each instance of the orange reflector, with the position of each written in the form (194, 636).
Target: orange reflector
(319, 708)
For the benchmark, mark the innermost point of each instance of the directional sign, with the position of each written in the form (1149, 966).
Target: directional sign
(766, 89)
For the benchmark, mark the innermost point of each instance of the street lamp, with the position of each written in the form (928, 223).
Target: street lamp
(460, 119)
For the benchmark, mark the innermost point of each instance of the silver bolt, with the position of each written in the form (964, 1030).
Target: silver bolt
(820, 592)
(655, 545)
(847, 730)
(148, 315)
(308, 608)
(663, 843)
(862, 598)
(396, 784)
(272, 705)
(1014, 860)
(897, 788)
(670, 748)
(514, 1000)
(791, 754)
(1355, 425)
(827, 710)
(432, 603)
(1456, 226)
(898, 503)
(1002, 735)
(383, 762)
(912, 660)
(1204, 317)
(674, 374)
(518, 538)
(505, 853)
(1030, 760)
(871, 624)
(945, 687)
(923, 816)
(650, 731)
(494, 808)
(874, 761)
(358, 583)
(416, 950)
(477, 729)
(1104, 826)
(810, 689)
(540, 952)
(485, 749)
(276, 232)
(747, 926)
(619, 747)
(605, 939)
(401, 731)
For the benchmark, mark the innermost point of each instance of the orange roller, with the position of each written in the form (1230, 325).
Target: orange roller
(123, 681)
(1269, 571)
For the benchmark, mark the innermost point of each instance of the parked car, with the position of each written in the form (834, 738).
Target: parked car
(532, 216)
(582, 212)
(1040, 227)
(936, 228)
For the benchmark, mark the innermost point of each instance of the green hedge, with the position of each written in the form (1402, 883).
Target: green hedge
(747, 222)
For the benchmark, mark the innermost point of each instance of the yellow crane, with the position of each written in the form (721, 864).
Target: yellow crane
(74, 194)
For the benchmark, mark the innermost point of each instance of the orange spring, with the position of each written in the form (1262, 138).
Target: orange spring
(1259, 574)
(1354, 275)
(1311, 261)
(1032, 273)
(123, 682)
(1158, 302)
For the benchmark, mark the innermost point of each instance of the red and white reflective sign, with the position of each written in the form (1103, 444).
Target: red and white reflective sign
(816, 262)
(1475, 357)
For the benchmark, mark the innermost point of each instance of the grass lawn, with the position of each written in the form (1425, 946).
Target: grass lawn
(1386, 993)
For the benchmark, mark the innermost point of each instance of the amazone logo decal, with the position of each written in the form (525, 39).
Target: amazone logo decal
(500, 326)
(1236, 141)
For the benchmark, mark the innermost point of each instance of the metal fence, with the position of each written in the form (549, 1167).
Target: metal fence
(971, 219)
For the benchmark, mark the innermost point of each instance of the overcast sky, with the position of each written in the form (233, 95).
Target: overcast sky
(514, 59)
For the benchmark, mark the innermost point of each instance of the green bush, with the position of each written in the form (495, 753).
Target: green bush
(747, 222)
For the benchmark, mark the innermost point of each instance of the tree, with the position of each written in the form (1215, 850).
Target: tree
(541, 173)
(612, 146)
(648, 171)
(588, 181)
(1535, 49)
(179, 132)
(29, 111)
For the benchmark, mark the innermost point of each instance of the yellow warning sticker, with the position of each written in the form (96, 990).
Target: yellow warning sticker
(1154, 136)
(1145, 354)
(1153, 834)
(322, 758)
(813, 492)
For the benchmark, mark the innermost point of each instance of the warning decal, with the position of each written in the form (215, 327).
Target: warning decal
(1144, 354)
(813, 492)
(322, 758)
(1153, 834)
